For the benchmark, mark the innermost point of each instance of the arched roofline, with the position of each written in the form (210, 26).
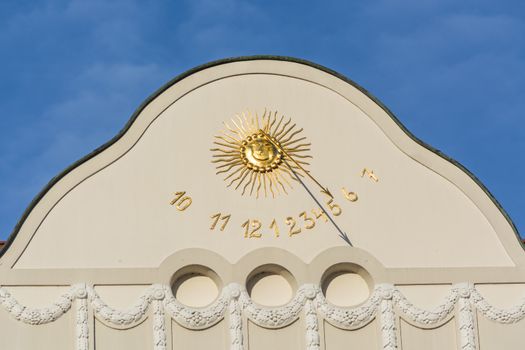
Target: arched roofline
(199, 68)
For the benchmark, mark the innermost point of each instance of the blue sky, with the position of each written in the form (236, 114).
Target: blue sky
(73, 72)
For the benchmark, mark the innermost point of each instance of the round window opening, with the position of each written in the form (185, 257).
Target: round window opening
(195, 286)
(271, 285)
(346, 285)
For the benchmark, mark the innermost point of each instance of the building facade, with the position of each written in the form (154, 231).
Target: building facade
(263, 202)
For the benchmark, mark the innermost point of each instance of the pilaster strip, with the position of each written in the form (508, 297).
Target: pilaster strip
(159, 321)
(82, 325)
(235, 319)
(387, 318)
(466, 326)
(313, 340)
(82, 328)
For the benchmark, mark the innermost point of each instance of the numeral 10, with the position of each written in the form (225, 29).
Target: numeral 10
(181, 201)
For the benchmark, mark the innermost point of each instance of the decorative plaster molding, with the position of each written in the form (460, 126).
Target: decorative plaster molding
(388, 325)
(426, 317)
(386, 302)
(349, 318)
(467, 331)
(194, 318)
(236, 337)
(159, 325)
(273, 317)
(82, 324)
(34, 316)
(129, 318)
(313, 339)
(504, 316)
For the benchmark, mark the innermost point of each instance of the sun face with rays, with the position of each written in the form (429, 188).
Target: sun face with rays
(260, 156)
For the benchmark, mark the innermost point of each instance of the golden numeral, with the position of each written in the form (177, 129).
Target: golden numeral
(275, 228)
(307, 220)
(255, 225)
(351, 196)
(214, 223)
(370, 174)
(336, 209)
(319, 214)
(216, 219)
(180, 201)
(293, 230)
(246, 226)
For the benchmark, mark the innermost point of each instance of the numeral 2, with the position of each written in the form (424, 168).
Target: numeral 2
(293, 230)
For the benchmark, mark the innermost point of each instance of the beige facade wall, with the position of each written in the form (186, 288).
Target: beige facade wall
(104, 261)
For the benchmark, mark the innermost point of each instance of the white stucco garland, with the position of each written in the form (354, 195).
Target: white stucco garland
(273, 317)
(504, 316)
(118, 318)
(385, 303)
(35, 316)
(195, 318)
(349, 318)
(426, 317)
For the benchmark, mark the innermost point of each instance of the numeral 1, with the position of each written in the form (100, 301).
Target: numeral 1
(275, 228)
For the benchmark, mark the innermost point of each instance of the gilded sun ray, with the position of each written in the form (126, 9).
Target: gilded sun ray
(254, 154)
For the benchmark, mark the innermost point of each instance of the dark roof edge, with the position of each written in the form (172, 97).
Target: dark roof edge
(189, 72)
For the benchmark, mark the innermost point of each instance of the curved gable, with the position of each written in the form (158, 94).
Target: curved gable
(112, 210)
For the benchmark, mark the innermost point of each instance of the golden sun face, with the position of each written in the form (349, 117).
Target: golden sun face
(260, 156)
